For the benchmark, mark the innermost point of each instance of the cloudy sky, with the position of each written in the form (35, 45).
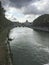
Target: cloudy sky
(22, 10)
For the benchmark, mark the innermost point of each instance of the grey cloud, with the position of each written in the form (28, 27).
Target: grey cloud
(17, 3)
(34, 10)
(28, 9)
(5, 2)
(21, 3)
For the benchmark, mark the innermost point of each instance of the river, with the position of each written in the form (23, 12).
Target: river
(29, 47)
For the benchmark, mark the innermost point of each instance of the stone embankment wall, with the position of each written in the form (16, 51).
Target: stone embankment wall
(10, 55)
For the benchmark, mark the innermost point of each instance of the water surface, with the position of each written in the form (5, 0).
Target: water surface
(29, 47)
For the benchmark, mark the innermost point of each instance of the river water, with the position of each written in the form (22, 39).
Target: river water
(29, 47)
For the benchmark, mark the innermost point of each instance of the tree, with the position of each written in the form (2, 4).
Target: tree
(1, 11)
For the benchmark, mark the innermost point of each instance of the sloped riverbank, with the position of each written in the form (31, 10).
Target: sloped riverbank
(41, 29)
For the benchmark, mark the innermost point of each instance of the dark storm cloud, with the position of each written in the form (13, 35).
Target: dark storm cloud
(18, 3)
(28, 7)
(21, 3)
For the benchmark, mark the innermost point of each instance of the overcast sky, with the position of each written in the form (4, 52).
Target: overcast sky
(21, 10)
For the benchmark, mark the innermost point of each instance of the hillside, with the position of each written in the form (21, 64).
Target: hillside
(41, 23)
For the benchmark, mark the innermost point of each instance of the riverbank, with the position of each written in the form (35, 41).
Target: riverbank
(46, 29)
(4, 56)
(10, 55)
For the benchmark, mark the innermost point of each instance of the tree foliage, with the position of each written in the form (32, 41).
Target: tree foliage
(42, 21)
(4, 23)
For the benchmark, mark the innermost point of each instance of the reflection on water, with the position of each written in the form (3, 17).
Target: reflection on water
(29, 47)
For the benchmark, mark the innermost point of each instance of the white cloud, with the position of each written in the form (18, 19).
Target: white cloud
(30, 11)
(30, 18)
(14, 14)
(46, 64)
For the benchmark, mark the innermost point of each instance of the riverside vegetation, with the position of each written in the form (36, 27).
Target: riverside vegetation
(41, 23)
(5, 26)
